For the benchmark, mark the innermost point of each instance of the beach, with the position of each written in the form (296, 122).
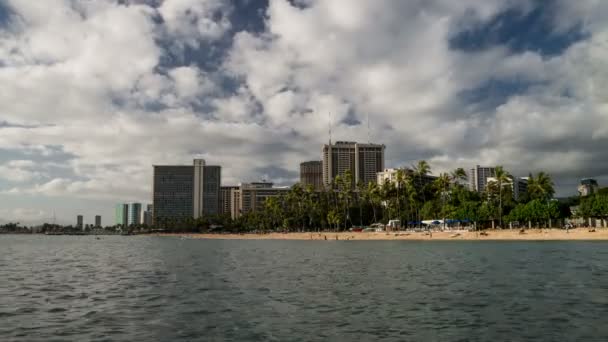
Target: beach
(454, 235)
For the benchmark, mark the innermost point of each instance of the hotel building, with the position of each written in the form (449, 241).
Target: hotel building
(363, 161)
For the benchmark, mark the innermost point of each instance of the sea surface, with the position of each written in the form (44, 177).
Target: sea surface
(78, 288)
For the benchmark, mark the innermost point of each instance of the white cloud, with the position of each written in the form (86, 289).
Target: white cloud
(19, 171)
(96, 73)
(191, 21)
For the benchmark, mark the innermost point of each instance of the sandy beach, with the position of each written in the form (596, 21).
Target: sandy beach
(529, 234)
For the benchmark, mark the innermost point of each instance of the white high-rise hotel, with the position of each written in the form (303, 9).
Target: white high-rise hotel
(478, 177)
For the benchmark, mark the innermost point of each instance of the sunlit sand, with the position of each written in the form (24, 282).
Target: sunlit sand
(454, 235)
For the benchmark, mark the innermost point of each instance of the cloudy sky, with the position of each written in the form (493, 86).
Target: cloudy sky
(93, 92)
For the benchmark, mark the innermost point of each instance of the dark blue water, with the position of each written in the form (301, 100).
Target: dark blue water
(60, 288)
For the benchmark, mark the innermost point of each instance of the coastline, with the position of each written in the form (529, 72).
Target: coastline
(579, 234)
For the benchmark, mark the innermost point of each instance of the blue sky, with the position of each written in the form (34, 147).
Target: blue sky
(95, 92)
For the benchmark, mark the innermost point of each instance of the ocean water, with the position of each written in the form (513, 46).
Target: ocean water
(63, 288)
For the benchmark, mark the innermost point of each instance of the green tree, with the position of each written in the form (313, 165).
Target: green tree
(540, 187)
(502, 178)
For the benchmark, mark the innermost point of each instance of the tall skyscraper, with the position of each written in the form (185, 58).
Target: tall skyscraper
(183, 191)
(79, 222)
(97, 221)
(172, 193)
(134, 214)
(311, 173)
(478, 177)
(363, 160)
(207, 179)
(122, 215)
(211, 189)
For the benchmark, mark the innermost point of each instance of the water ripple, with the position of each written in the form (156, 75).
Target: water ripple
(164, 289)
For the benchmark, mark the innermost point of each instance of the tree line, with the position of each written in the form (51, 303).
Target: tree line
(410, 198)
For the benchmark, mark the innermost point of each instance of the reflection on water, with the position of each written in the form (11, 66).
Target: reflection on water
(165, 289)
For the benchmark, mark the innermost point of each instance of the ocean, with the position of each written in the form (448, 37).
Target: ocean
(139, 288)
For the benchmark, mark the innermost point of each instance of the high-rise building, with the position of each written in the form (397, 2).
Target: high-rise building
(252, 197)
(588, 186)
(225, 199)
(79, 222)
(172, 193)
(363, 161)
(134, 214)
(478, 177)
(311, 173)
(207, 180)
(147, 215)
(182, 191)
(122, 215)
(97, 221)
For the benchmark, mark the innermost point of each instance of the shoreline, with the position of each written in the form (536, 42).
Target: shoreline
(547, 234)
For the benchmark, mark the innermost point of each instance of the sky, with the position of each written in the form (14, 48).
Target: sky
(93, 93)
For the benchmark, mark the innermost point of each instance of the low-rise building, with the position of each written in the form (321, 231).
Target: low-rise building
(390, 175)
(517, 185)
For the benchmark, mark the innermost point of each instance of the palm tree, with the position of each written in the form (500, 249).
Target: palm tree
(371, 194)
(442, 183)
(502, 178)
(420, 170)
(540, 187)
(400, 178)
(458, 175)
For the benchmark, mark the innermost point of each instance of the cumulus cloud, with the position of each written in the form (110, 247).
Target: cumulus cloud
(120, 85)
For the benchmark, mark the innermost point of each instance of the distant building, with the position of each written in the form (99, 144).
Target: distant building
(390, 175)
(226, 199)
(478, 177)
(122, 215)
(97, 221)
(147, 215)
(79, 222)
(134, 214)
(588, 186)
(311, 173)
(252, 196)
(364, 161)
(521, 187)
(517, 185)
